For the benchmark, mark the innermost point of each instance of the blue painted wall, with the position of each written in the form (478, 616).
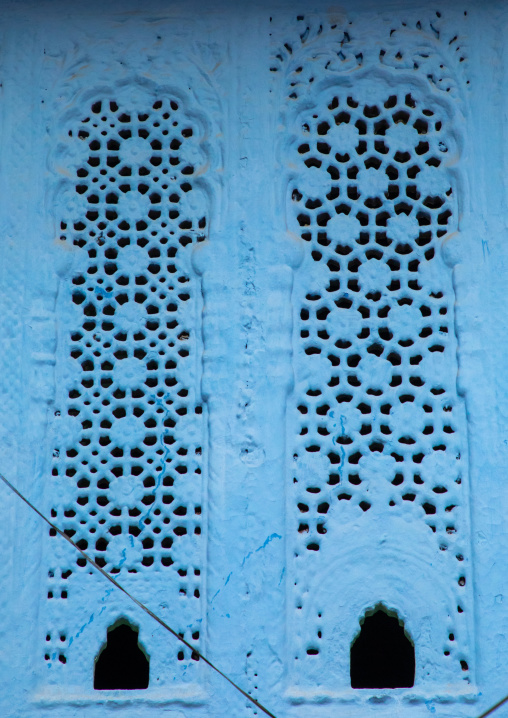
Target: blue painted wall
(252, 347)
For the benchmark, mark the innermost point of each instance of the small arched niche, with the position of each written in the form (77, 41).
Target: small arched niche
(382, 654)
(121, 663)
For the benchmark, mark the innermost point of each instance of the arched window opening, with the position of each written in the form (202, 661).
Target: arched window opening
(382, 655)
(121, 663)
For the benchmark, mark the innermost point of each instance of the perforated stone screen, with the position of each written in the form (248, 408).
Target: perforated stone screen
(253, 268)
(135, 431)
(380, 424)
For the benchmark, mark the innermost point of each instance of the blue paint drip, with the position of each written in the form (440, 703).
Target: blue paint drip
(251, 553)
(225, 584)
(103, 293)
(343, 419)
(264, 545)
(107, 594)
(160, 402)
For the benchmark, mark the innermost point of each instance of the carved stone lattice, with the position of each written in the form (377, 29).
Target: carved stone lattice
(132, 427)
(373, 201)
(378, 419)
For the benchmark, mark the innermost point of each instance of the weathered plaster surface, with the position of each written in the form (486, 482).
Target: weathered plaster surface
(263, 595)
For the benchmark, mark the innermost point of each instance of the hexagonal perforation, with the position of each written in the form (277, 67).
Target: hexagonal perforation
(372, 197)
(132, 402)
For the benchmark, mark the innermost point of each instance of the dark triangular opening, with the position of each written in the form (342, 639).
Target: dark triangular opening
(382, 655)
(121, 663)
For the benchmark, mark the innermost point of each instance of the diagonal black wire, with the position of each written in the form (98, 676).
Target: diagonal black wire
(494, 708)
(135, 600)
(486, 713)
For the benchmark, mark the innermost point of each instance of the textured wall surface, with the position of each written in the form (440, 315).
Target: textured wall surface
(253, 350)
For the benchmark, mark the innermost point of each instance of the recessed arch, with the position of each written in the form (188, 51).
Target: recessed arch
(382, 654)
(122, 663)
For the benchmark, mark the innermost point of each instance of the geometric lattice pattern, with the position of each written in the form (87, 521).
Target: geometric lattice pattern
(377, 400)
(136, 437)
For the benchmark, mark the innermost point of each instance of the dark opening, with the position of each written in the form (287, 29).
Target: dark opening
(121, 663)
(382, 655)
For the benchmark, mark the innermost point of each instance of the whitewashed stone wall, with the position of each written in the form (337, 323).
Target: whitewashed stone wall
(253, 352)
